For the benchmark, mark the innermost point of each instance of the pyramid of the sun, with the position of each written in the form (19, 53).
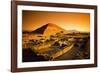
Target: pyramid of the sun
(48, 29)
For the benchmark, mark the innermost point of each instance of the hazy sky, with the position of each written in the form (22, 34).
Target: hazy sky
(66, 20)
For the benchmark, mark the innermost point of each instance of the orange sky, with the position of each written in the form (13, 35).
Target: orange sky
(68, 21)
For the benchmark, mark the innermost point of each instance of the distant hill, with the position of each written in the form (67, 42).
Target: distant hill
(50, 29)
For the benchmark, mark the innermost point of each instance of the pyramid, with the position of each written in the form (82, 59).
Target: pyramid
(48, 29)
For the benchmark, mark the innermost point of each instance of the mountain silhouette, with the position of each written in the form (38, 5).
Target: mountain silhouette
(48, 29)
